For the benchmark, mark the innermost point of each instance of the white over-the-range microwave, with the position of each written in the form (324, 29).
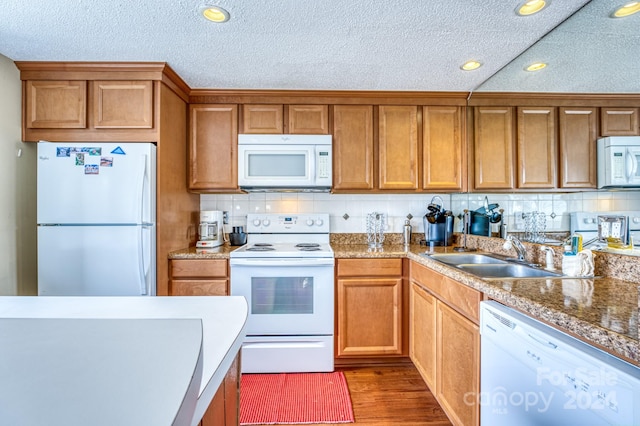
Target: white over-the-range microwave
(619, 162)
(285, 162)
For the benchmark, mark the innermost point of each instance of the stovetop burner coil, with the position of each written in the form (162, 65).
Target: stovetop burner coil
(261, 248)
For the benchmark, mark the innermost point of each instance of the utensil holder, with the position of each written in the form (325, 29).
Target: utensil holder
(376, 223)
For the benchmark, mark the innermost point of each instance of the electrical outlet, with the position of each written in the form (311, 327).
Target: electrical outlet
(225, 218)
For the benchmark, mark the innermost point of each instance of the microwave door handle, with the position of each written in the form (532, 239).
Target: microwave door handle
(312, 166)
(630, 167)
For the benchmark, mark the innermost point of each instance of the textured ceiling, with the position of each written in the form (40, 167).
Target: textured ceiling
(414, 45)
(588, 53)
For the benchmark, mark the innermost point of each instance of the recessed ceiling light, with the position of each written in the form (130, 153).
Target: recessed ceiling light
(626, 10)
(530, 7)
(471, 65)
(215, 14)
(536, 66)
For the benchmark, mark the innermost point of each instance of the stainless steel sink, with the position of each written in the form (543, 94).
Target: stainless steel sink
(490, 266)
(506, 270)
(465, 258)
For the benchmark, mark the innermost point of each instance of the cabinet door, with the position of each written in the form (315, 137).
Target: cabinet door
(216, 287)
(578, 147)
(353, 147)
(224, 408)
(493, 147)
(213, 147)
(442, 159)
(122, 104)
(398, 147)
(536, 147)
(267, 119)
(619, 121)
(56, 104)
(422, 334)
(308, 119)
(369, 316)
(458, 366)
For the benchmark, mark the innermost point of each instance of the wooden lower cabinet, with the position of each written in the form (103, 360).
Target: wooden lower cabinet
(422, 333)
(457, 365)
(369, 300)
(224, 409)
(444, 341)
(198, 277)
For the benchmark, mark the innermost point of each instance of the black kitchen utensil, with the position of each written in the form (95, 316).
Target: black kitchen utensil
(494, 217)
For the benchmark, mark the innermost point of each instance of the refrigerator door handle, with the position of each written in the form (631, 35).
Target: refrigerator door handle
(141, 266)
(141, 183)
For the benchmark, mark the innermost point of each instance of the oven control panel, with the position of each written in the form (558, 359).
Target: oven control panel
(288, 223)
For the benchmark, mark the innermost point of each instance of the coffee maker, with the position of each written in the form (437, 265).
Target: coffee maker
(211, 229)
(438, 224)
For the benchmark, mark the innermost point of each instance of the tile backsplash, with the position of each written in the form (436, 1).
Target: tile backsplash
(348, 212)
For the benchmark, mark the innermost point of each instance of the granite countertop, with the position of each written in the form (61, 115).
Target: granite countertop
(221, 252)
(602, 311)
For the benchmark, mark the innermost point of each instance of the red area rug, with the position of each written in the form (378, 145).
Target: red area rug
(294, 398)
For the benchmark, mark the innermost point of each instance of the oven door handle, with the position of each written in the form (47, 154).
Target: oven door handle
(283, 262)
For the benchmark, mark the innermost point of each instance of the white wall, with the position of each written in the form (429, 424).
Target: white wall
(397, 207)
(18, 270)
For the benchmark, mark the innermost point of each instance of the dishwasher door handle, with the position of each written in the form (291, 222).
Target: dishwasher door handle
(543, 342)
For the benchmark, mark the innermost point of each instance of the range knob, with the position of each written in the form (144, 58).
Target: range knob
(319, 222)
(309, 222)
(636, 220)
(256, 222)
(266, 222)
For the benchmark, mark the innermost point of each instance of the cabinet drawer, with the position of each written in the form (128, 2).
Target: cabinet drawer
(464, 299)
(194, 268)
(369, 267)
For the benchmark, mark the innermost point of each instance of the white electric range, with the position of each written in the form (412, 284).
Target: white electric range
(285, 272)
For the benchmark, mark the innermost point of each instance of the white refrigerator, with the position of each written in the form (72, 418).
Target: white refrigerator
(96, 219)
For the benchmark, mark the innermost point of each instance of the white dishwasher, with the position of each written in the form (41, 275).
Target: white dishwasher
(533, 374)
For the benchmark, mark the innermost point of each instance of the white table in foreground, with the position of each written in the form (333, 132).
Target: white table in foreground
(223, 325)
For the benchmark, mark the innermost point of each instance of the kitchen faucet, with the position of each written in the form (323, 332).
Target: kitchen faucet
(516, 244)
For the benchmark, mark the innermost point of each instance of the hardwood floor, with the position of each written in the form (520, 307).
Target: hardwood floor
(391, 395)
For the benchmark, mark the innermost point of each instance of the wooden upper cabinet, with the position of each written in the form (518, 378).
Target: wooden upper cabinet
(353, 147)
(398, 147)
(536, 147)
(53, 104)
(443, 159)
(308, 119)
(493, 148)
(213, 152)
(269, 119)
(619, 121)
(578, 130)
(122, 104)
(262, 119)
